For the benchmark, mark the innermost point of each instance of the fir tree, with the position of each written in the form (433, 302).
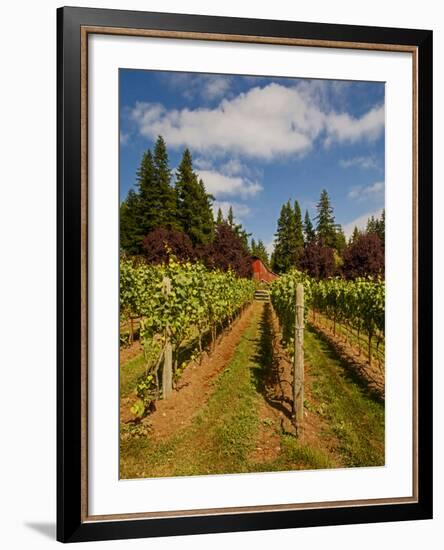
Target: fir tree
(149, 203)
(206, 206)
(381, 228)
(325, 228)
(286, 250)
(130, 235)
(309, 232)
(260, 252)
(230, 217)
(220, 218)
(238, 228)
(355, 235)
(341, 241)
(372, 225)
(299, 232)
(166, 194)
(376, 226)
(193, 204)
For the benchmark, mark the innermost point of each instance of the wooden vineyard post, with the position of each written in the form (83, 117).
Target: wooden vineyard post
(167, 373)
(298, 373)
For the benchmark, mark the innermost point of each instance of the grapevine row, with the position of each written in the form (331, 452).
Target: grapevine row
(358, 304)
(199, 300)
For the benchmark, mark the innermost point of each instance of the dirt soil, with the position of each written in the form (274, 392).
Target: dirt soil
(196, 384)
(276, 409)
(129, 352)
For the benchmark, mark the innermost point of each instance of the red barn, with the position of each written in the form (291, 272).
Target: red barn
(261, 271)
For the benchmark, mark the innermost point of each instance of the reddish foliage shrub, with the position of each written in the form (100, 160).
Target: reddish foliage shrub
(160, 242)
(318, 260)
(227, 251)
(364, 256)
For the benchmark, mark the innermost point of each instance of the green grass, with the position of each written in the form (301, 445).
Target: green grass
(129, 373)
(353, 415)
(378, 352)
(221, 435)
(131, 370)
(224, 431)
(295, 456)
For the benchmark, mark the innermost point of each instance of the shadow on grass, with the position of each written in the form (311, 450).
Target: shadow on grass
(267, 375)
(352, 370)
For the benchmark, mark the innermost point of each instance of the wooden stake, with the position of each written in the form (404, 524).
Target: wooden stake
(167, 373)
(298, 377)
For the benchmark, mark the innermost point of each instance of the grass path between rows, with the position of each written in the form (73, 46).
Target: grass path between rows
(223, 436)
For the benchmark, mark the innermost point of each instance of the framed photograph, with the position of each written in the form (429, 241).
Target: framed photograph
(244, 274)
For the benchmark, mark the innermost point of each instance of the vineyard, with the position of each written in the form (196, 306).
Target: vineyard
(357, 306)
(215, 368)
(174, 303)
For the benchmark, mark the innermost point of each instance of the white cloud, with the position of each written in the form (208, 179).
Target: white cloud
(344, 127)
(219, 184)
(362, 192)
(216, 87)
(262, 123)
(240, 210)
(207, 86)
(233, 167)
(203, 163)
(361, 162)
(325, 92)
(360, 223)
(124, 138)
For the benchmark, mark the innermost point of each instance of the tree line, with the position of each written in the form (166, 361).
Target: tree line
(322, 250)
(163, 216)
(174, 214)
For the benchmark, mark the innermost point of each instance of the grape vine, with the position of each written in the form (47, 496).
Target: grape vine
(200, 300)
(358, 304)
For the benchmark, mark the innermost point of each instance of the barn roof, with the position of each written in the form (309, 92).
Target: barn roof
(254, 258)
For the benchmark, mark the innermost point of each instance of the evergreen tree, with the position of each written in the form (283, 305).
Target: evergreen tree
(279, 260)
(149, 203)
(381, 231)
(372, 225)
(258, 250)
(355, 235)
(166, 194)
(220, 217)
(230, 217)
(193, 204)
(341, 241)
(325, 228)
(299, 232)
(207, 213)
(238, 228)
(309, 231)
(376, 226)
(157, 204)
(130, 236)
(286, 246)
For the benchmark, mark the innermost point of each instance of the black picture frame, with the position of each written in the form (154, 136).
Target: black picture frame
(72, 525)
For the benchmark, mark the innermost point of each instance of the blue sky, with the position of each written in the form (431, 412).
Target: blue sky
(259, 141)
